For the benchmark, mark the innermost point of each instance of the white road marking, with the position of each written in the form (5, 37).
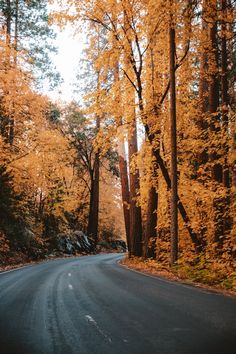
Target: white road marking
(178, 329)
(70, 286)
(69, 274)
(92, 321)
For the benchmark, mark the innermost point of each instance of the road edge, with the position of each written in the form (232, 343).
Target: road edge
(199, 286)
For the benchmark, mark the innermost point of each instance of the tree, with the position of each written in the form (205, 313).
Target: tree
(174, 181)
(137, 89)
(28, 31)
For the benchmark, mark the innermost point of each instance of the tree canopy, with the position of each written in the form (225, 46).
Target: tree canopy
(149, 156)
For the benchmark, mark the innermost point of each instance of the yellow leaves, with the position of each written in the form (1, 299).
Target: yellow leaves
(111, 212)
(62, 12)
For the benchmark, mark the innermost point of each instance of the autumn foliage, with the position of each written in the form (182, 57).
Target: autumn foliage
(159, 106)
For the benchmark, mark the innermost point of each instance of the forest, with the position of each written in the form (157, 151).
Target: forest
(148, 156)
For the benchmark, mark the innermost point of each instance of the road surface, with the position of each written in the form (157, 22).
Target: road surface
(91, 305)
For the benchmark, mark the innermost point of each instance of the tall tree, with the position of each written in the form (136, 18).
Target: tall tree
(174, 181)
(123, 164)
(134, 176)
(29, 31)
(93, 218)
(135, 209)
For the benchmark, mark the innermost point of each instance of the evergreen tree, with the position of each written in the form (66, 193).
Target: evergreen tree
(29, 31)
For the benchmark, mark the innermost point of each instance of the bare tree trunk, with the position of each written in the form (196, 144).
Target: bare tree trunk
(224, 88)
(202, 122)
(203, 82)
(214, 89)
(123, 167)
(226, 202)
(9, 127)
(96, 197)
(11, 120)
(150, 235)
(8, 24)
(216, 168)
(174, 181)
(135, 210)
(124, 189)
(150, 228)
(92, 228)
(16, 31)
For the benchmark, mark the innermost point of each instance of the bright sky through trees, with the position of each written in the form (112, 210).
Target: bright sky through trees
(66, 61)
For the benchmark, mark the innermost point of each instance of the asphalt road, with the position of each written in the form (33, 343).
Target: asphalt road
(91, 305)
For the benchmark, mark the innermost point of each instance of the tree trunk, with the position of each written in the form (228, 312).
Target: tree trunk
(149, 247)
(124, 189)
(174, 182)
(96, 198)
(92, 229)
(135, 210)
(123, 167)
(224, 89)
(16, 31)
(156, 151)
(216, 168)
(9, 132)
(8, 24)
(203, 82)
(202, 122)
(161, 163)
(224, 109)
(150, 229)
(214, 90)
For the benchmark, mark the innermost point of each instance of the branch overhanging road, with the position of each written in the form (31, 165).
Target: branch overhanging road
(91, 305)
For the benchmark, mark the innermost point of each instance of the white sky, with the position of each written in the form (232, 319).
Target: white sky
(67, 61)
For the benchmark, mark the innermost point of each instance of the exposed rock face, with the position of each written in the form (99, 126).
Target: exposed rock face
(119, 245)
(114, 245)
(28, 237)
(76, 242)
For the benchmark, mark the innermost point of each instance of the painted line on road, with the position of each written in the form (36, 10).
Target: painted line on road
(69, 274)
(93, 322)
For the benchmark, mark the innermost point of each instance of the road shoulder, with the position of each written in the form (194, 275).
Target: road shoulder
(166, 275)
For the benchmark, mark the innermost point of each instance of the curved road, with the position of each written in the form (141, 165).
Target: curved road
(91, 305)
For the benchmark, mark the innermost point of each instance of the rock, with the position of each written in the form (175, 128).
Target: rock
(28, 237)
(119, 245)
(83, 242)
(114, 245)
(75, 242)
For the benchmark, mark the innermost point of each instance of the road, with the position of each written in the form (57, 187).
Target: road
(91, 305)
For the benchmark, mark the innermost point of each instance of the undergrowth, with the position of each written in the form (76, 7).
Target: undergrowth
(199, 270)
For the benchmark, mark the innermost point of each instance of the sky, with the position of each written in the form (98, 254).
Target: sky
(67, 61)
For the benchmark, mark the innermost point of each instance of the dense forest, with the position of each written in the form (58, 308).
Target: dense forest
(148, 156)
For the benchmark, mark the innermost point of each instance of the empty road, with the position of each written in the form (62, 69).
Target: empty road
(91, 305)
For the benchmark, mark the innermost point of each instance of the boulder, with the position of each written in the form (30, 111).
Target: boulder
(75, 242)
(119, 245)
